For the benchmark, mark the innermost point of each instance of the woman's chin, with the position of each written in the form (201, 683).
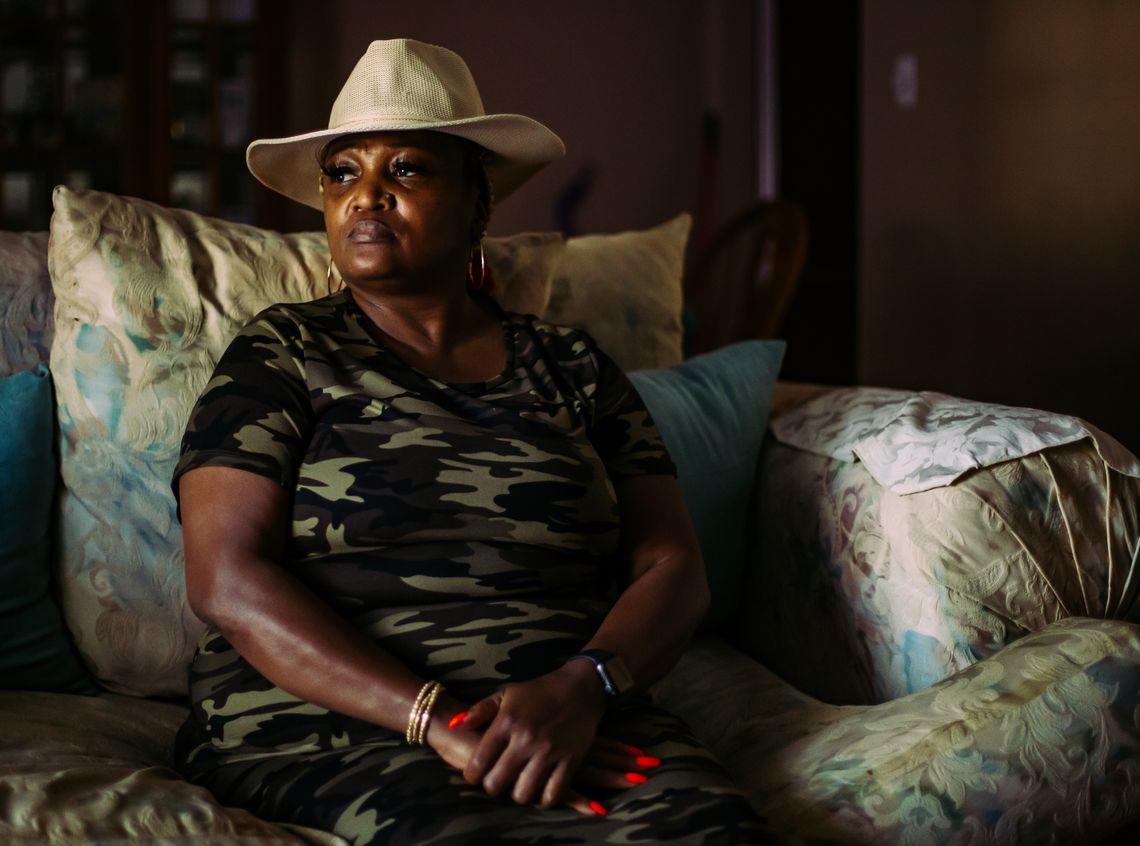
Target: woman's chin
(376, 269)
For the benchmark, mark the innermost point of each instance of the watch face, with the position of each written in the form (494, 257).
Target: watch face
(618, 680)
(615, 676)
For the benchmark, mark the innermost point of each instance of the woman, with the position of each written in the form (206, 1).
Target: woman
(400, 523)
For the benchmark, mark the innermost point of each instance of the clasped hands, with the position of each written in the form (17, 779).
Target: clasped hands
(537, 742)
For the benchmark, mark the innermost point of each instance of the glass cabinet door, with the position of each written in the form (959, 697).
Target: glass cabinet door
(61, 103)
(211, 100)
(149, 98)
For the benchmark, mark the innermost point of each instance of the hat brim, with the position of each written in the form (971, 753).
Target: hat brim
(519, 148)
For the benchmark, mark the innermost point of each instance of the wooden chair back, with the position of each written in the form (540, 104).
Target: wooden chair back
(741, 285)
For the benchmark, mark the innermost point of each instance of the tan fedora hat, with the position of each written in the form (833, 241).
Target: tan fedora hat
(403, 84)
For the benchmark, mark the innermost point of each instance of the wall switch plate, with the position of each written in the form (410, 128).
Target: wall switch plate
(904, 81)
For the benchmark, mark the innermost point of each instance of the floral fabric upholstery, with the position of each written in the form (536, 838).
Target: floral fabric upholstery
(913, 442)
(26, 318)
(860, 594)
(1038, 744)
(146, 300)
(1012, 717)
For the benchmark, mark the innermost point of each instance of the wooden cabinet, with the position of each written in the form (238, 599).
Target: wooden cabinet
(155, 99)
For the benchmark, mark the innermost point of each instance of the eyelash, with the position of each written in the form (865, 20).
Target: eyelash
(409, 169)
(337, 174)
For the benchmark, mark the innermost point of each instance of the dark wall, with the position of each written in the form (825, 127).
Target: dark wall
(1000, 213)
(626, 84)
(819, 141)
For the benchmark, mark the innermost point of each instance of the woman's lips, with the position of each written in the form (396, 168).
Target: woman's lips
(369, 232)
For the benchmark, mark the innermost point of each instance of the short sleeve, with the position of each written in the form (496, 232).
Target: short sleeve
(254, 414)
(623, 431)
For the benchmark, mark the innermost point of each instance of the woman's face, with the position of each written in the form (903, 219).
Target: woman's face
(399, 208)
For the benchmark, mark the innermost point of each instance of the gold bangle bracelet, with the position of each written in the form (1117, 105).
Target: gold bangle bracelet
(425, 714)
(414, 714)
(420, 715)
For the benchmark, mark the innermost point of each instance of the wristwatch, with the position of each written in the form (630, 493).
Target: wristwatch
(616, 680)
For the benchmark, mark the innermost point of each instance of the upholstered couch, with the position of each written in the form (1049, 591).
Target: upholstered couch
(920, 626)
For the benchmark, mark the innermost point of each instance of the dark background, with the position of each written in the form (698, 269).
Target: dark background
(978, 238)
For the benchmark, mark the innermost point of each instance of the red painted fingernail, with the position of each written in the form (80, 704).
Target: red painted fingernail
(636, 778)
(598, 808)
(648, 761)
(633, 750)
(455, 721)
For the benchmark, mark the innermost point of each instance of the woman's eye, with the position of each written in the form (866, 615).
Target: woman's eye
(337, 174)
(404, 169)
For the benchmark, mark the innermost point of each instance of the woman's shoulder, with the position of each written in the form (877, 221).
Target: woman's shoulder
(558, 334)
(294, 319)
(570, 350)
(304, 310)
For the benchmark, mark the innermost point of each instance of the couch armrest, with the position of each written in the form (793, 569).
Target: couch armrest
(857, 593)
(1036, 744)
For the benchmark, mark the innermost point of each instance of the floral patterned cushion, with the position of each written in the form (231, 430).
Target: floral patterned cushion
(625, 289)
(146, 300)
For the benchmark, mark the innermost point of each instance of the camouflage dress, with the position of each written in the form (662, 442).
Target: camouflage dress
(471, 530)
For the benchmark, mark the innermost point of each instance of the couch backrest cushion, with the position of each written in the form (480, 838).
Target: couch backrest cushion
(26, 320)
(35, 651)
(146, 300)
(712, 412)
(625, 289)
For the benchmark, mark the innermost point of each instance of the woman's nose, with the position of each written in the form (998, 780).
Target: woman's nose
(372, 194)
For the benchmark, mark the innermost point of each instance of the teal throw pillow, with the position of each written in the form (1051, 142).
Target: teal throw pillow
(35, 650)
(712, 412)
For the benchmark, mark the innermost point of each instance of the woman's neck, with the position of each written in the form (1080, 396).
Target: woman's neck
(450, 336)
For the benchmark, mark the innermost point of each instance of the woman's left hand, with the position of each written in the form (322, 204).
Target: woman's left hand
(537, 734)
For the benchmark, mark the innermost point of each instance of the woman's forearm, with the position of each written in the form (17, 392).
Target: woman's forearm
(304, 647)
(653, 619)
(666, 593)
(234, 530)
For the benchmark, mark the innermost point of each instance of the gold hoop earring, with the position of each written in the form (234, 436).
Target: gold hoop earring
(479, 278)
(329, 277)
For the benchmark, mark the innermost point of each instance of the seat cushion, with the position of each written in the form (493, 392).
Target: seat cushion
(97, 770)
